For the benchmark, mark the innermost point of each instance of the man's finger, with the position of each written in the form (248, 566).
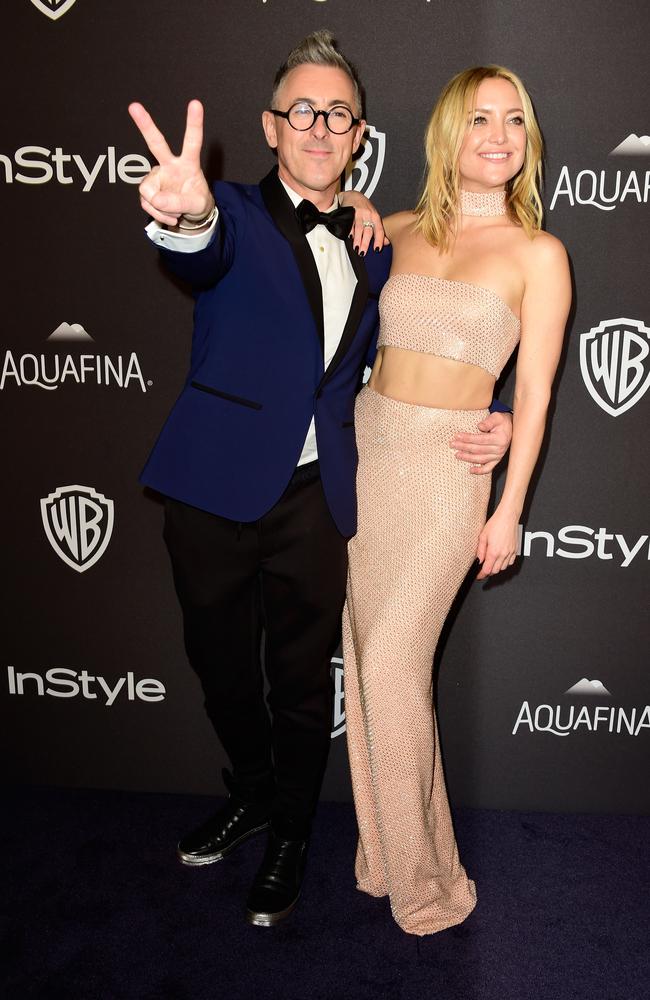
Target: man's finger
(472, 451)
(162, 217)
(483, 470)
(193, 138)
(464, 438)
(491, 422)
(150, 185)
(173, 204)
(469, 452)
(151, 134)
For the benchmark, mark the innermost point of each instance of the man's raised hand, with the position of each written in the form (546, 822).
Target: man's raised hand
(177, 186)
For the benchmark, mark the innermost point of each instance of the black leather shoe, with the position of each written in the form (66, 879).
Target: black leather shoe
(234, 823)
(277, 884)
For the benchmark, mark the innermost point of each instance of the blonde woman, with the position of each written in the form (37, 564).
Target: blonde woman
(472, 276)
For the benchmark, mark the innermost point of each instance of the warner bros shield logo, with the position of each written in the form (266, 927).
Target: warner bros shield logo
(53, 8)
(615, 363)
(78, 522)
(363, 173)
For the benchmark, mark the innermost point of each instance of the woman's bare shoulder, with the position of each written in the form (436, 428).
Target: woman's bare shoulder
(545, 252)
(398, 224)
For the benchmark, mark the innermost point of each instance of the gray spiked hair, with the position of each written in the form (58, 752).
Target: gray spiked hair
(318, 49)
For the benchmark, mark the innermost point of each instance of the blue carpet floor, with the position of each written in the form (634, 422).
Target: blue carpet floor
(97, 908)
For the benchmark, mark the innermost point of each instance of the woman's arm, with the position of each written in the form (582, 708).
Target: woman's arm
(544, 311)
(365, 211)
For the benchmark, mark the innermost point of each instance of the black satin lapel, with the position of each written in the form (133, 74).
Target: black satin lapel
(281, 210)
(357, 306)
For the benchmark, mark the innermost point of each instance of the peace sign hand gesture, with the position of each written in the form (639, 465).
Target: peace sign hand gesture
(177, 186)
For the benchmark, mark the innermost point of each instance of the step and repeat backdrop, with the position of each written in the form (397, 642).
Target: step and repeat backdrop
(542, 677)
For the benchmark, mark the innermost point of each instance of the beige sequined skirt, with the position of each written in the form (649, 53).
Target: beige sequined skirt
(420, 514)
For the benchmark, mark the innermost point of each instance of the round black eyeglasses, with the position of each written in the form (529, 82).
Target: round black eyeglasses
(302, 117)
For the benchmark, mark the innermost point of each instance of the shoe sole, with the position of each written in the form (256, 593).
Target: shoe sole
(269, 919)
(194, 861)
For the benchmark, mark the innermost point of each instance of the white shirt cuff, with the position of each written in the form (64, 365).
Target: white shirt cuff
(180, 242)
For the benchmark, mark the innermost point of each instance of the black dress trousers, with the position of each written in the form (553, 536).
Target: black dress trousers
(284, 576)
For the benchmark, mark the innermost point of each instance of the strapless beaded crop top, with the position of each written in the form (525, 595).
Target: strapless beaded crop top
(451, 319)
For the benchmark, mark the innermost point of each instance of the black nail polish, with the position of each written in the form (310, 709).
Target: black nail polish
(356, 249)
(363, 253)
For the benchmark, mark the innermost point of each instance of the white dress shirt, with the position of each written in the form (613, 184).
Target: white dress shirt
(337, 279)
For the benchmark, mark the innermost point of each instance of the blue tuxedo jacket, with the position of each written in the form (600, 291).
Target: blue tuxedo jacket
(233, 438)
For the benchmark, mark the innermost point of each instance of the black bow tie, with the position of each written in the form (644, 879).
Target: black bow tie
(339, 222)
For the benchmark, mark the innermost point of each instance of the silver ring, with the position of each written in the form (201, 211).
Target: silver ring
(369, 223)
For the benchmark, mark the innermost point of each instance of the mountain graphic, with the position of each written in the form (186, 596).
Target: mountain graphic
(634, 145)
(585, 686)
(69, 331)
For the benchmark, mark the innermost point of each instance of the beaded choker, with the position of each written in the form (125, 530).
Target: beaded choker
(482, 202)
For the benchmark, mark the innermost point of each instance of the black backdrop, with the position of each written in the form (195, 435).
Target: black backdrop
(81, 412)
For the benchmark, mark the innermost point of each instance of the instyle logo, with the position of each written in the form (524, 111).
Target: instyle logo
(40, 165)
(364, 173)
(567, 718)
(78, 524)
(605, 189)
(578, 541)
(54, 9)
(61, 682)
(51, 370)
(615, 363)
(338, 724)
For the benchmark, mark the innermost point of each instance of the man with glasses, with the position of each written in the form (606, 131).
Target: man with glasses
(257, 459)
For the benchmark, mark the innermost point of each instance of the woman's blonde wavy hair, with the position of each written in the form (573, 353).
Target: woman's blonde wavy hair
(437, 209)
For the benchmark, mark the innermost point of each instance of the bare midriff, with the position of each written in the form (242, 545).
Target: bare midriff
(429, 380)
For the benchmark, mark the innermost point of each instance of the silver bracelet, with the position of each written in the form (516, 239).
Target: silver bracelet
(201, 223)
